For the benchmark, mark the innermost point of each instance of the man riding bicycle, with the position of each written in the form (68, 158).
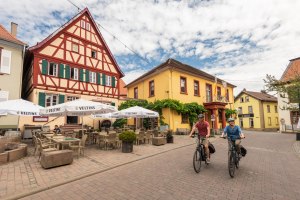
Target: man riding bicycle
(234, 132)
(203, 131)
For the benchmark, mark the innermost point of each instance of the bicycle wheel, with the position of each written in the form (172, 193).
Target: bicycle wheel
(231, 165)
(237, 160)
(197, 161)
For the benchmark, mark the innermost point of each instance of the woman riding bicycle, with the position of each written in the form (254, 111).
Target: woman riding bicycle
(204, 132)
(234, 132)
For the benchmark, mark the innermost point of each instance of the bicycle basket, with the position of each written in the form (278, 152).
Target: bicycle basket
(211, 148)
(243, 151)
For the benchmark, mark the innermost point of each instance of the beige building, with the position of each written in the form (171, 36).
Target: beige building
(11, 69)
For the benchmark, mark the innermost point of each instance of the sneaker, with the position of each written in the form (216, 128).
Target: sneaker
(207, 160)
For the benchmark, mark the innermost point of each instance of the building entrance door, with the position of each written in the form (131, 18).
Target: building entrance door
(72, 120)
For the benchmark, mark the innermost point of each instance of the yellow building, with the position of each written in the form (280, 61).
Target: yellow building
(257, 110)
(12, 52)
(175, 80)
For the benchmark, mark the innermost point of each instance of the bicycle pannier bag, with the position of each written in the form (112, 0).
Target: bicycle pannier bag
(211, 148)
(243, 151)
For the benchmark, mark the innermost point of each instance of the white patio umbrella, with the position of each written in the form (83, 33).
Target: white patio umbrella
(79, 107)
(135, 112)
(20, 107)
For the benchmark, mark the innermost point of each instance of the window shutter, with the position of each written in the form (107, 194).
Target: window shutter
(113, 81)
(61, 71)
(67, 71)
(103, 79)
(81, 74)
(44, 66)
(5, 61)
(87, 76)
(42, 99)
(98, 79)
(61, 99)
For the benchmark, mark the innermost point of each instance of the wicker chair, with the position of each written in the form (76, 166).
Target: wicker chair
(80, 146)
(44, 147)
(110, 140)
(140, 137)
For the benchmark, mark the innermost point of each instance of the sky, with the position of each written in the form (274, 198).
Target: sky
(239, 41)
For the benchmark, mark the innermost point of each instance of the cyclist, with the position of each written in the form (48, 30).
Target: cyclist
(234, 132)
(203, 131)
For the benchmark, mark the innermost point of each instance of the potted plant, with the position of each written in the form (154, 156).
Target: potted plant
(127, 138)
(170, 137)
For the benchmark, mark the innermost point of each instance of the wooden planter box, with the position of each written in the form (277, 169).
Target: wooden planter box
(159, 141)
(3, 158)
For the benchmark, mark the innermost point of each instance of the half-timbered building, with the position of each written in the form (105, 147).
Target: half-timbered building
(73, 62)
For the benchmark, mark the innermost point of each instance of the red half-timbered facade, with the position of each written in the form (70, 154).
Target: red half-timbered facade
(73, 62)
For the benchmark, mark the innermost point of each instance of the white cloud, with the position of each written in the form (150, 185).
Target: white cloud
(242, 40)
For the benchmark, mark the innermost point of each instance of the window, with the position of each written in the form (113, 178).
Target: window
(208, 93)
(51, 99)
(136, 93)
(52, 70)
(82, 24)
(242, 100)
(268, 108)
(88, 26)
(184, 118)
(74, 73)
(72, 98)
(219, 97)
(276, 121)
(269, 121)
(246, 98)
(75, 47)
(227, 95)
(5, 61)
(251, 122)
(294, 117)
(94, 54)
(276, 111)
(240, 110)
(92, 77)
(183, 88)
(108, 80)
(196, 88)
(250, 110)
(151, 88)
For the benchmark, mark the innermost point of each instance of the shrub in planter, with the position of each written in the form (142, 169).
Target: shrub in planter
(127, 138)
(170, 137)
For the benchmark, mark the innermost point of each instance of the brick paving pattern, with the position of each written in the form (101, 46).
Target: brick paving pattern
(270, 171)
(26, 174)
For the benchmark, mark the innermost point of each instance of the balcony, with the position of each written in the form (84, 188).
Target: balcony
(216, 98)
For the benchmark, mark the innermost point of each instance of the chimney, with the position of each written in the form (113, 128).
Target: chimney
(14, 28)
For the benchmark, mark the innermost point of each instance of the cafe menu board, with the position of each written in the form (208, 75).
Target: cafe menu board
(40, 118)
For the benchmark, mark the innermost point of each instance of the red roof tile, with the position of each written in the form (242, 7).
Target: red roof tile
(5, 35)
(292, 70)
(123, 90)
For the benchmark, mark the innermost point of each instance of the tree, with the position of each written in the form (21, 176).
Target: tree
(288, 90)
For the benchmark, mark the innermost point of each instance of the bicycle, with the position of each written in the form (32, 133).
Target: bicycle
(199, 154)
(233, 156)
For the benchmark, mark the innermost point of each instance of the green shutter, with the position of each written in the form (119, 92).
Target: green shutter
(42, 99)
(67, 71)
(103, 79)
(81, 74)
(113, 81)
(44, 66)
(98, 79)
(113, 103)
(61, 71)
(61, 98)
(87, 76)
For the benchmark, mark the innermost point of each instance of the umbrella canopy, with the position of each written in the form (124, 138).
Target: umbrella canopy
(79, 107)
(135, 112)
(20, 107)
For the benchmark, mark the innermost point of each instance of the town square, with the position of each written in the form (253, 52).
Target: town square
(149, 99)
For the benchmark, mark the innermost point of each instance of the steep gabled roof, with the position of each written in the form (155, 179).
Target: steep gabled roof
(292, 70)
(5, 35)
(257, 95)
(66, 25)
(180, 66)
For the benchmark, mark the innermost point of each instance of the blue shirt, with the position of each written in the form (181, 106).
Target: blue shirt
(233, 133)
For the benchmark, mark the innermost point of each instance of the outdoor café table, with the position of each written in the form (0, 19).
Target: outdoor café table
(61, 140)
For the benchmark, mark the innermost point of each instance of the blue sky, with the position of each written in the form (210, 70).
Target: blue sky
(240, 41)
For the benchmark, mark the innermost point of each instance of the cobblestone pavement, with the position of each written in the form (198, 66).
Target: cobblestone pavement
(27, 175)
(269, 171)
